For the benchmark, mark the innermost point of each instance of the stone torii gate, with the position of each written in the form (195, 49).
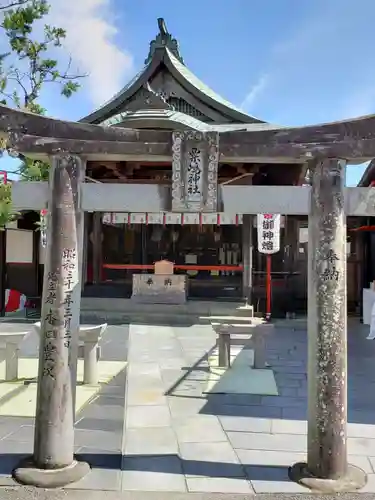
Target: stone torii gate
(326, 148)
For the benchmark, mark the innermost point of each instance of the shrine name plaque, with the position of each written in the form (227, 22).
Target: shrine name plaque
(159, 288)
(195, 157)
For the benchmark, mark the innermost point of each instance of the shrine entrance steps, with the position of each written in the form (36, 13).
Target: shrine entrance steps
(122, 311)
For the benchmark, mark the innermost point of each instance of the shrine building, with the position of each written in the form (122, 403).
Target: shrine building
(212, 246)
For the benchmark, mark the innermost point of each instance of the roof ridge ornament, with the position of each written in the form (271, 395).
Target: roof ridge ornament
(164, 40)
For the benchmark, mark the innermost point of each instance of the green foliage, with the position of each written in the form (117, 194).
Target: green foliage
(33, 170)
(6, 212)
(26, 68)
(33, 67)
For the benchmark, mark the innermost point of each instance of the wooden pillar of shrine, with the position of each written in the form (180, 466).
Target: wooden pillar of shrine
(290, 257)
(3, 270)
(97, 250)
(365, 259)
(84, 249)
(52, 464)
(247, 257)
(291, 242)
(327, 468)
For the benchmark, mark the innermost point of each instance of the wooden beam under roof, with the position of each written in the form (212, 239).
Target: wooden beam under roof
(36, 135)
(361, 149)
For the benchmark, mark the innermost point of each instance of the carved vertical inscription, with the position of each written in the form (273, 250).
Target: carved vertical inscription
(327, 455)
(51, 326)
(55, 327)
(194, 176)
(194, 171)
(330, 271)
(54, 433)
(70, 270)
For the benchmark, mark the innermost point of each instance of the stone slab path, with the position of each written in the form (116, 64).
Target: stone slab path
(177, 438)
(22, 493)
(99, 426)
(168, 436)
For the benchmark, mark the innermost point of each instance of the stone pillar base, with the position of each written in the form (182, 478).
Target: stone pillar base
(354, 479)
(28, 474)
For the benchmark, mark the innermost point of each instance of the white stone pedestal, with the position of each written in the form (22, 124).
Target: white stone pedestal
(159, 288)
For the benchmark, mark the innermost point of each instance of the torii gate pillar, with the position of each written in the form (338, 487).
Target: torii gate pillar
(53, 464)
(327, 468)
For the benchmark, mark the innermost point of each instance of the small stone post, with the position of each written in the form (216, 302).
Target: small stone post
(53, 464)
(90, 362)
(327, 469)
(223, 343)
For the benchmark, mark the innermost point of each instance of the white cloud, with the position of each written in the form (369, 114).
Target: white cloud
(255, 92)
(91, 30)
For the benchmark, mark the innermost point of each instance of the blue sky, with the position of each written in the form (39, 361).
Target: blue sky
(290, 62)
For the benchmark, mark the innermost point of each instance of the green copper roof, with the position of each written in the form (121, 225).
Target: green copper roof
(186, 73)
(117, 96)
(171, 119)
(164, 51)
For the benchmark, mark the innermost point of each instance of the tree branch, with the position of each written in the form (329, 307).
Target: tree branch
(9, 96)
(15, 3)
(18, 78)
(65, 75)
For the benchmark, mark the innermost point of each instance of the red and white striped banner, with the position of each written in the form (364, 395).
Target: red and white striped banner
(167, 218)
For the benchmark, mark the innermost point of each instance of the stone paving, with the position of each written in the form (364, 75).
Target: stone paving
(176, 438)
(99, 427)
(22, 493)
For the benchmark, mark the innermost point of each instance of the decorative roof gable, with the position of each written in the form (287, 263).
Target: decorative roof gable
(165, 61)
